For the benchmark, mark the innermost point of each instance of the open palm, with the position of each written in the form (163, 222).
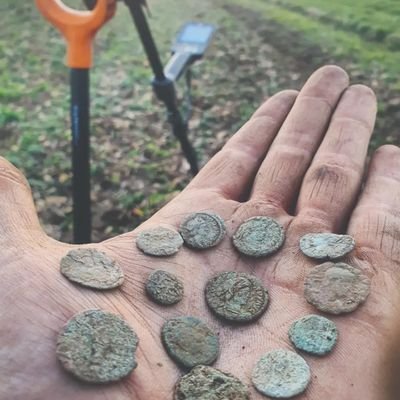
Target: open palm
(299, 159)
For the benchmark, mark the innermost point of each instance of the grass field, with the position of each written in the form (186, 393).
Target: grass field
(261, 47)
(364, 31)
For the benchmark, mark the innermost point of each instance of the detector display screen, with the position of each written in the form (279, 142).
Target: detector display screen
(193, 38)
(199, 34)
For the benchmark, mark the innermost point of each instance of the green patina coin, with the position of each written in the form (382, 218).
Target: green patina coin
(164, 288)
(189, 341)
(314, 334)
(281, 374)
(336, 288)
(236, 296)
(259, 236)
(207, 383)
(159, 241)
(97, 346)
(91, 268)
(202, 230)
(326, 245)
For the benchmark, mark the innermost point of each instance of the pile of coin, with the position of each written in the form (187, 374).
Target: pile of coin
(93, 338)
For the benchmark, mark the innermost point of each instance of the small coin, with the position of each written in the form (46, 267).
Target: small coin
(91, 268)
(159, 241)
(336, 288)
(236, 296)
(97, 346)
(281, 374)
(259, 236)
(326, 245)
(314, 334)
(189, 341)
(202, 230)
(207, 383)
(164, 287)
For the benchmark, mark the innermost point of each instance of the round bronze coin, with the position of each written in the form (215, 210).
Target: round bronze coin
(91, 268)
(336, 288)
(281, 374)
(314, 334)
(236, 296)
(202, 230)
(189, 341)
(207, 383)
(326, 245)
(159, 241)
(164, 288)
(259, 236)
(97, 346)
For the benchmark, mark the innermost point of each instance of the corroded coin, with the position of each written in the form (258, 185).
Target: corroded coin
(314, 334)
(207, 383)
(97, 346)
(189, 341)
(259, 236)
(92, 268)
(326, 245)
(202, 230)
(159, 241)
(164, 287)
(236, 296)
(336, 288)
(281, 374)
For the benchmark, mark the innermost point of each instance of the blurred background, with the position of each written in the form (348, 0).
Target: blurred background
(261, 47)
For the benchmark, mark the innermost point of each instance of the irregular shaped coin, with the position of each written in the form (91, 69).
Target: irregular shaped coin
(314, 334)
(189, 341)
(259, 236)
(281, 374)
(159, 241)
(164, 288)
(97, 346)
(207, 383)
(202, 230)
(92, 268)
(326, 245)
(336, 288)
(236, 296)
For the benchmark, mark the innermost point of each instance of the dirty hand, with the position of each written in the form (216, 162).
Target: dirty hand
(299, 159)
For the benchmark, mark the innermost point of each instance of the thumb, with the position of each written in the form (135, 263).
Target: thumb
(19, 223)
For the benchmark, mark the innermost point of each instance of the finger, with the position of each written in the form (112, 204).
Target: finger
(19, 224)
(333, 181)
(230, 171)
(282, 171)
(375, 222)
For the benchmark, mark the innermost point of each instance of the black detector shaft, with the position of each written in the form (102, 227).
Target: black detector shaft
(163, 87)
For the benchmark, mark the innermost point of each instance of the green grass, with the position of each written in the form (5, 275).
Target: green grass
(359, 31)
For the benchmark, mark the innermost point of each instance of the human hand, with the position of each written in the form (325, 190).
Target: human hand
(299, 159)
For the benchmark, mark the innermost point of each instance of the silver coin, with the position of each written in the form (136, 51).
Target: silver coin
(202, 230)
(159, 241)
(236, 296)
(97, 346)
(259, 236)
(336, 288)
(326, 245)
(189, 341)
(207, 383)
(164, 288)
(91, 268)
(314, 334)
(281, 374)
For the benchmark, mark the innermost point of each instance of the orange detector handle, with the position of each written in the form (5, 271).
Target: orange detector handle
(77, 27)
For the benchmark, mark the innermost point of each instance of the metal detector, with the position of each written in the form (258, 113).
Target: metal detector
(189, 46)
